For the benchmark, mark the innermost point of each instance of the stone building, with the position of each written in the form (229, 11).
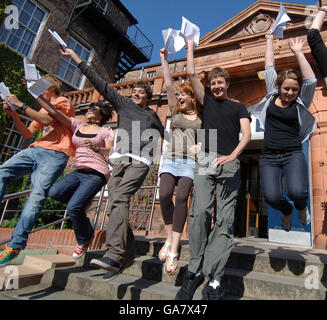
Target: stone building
(239, 46)
(102, 32)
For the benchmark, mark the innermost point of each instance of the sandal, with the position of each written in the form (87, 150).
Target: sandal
(171, 265)
(163, 253)
(287, 225)
(305, 220)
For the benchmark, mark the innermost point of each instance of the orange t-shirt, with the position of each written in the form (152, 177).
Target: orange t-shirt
(56, 136)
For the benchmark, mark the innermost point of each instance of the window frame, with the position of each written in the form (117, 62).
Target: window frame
(83, 77)
(37, 34)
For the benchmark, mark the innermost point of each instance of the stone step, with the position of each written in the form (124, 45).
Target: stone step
(265, 286)
(237, 283)
(31, 271)
(43, 292)
(91, 282)
(253, 284)
(32, 252)
(255, 256)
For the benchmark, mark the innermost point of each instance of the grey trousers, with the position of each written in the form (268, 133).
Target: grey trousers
(126, 178)
(210, 247)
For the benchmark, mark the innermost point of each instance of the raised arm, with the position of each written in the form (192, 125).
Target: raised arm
(54, 112)
(33, 114)
(171, 96)
(296, 46)
(318, 21)
(269, 55)
(100, 84)
(194, 78)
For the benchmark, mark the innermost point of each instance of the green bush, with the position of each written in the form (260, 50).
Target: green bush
(11, 73)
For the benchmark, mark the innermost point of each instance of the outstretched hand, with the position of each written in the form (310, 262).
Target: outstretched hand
(296, 45)
(269, 36)
(69, 53)
(163, 54)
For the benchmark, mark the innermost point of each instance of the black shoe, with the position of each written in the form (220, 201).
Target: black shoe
(209, 293)
(106, 263)
(190, 284)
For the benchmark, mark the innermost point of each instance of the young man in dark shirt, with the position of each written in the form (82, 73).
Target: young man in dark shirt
(139, 131)
(217, 169)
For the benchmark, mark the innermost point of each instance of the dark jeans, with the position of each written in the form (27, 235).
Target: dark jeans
(318, 50)
(77, 189)
(291, 166)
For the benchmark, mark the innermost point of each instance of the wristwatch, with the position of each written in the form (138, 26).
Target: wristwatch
(323, 9)
(23, 107)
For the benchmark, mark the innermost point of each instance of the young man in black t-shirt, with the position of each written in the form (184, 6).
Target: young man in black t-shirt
(217, 170)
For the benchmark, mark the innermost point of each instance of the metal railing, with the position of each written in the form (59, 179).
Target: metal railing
(17, 195)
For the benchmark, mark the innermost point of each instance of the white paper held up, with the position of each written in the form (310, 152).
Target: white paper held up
(4, 92)
(39, 87)
(280, 23)
(173, 41)
(57, 39)
(189, 31)
(31, 73)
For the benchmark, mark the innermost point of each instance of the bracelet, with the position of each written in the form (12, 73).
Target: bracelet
(323, 9)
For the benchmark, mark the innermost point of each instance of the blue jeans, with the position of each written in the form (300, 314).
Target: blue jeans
(45, 167)
(291, 166)
(77, 189)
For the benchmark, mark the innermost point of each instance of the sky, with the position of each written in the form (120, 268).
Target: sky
(156, 15)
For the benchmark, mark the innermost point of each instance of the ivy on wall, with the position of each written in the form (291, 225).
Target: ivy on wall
(12, 73)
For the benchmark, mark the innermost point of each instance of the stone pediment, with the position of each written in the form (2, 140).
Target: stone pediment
(254, 20)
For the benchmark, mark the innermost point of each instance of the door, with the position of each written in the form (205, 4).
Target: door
(299, 234)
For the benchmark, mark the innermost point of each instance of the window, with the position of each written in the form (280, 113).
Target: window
(101, 4)
(150, 74)
(31, 18)
(67, 68)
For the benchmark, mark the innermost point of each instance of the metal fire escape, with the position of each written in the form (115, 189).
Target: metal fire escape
(112, 19)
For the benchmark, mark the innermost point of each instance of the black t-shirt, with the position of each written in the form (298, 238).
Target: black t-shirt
(282, 129)
(221, 124)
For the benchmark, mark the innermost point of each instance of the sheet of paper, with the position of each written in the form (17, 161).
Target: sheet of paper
(280, 23)
(190, 30)
(173, 41)
(55, 36)
(31, 73)
(4, 92)
(39, 87)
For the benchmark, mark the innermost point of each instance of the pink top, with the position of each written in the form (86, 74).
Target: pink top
(85, 158)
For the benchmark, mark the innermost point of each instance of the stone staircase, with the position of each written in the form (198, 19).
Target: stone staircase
(30, 265)
(255, 270)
